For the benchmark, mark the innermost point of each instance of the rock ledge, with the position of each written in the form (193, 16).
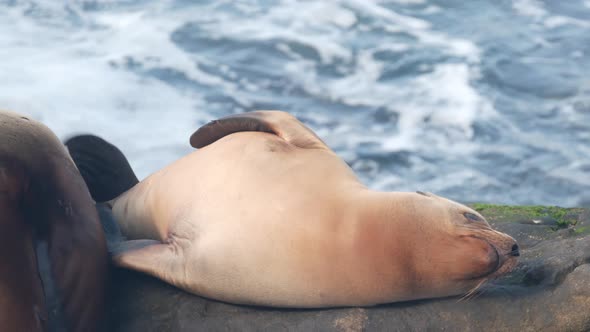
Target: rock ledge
(548, 291)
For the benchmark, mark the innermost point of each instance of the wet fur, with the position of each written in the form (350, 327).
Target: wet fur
(47, 214)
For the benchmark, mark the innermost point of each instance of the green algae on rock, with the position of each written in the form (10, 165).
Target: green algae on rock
(554, 216)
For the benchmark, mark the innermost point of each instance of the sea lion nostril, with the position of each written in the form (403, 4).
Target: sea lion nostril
(515, 252)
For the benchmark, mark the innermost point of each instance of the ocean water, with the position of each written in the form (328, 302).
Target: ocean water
(474, 100)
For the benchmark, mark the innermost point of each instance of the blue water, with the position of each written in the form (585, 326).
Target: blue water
(475, 100)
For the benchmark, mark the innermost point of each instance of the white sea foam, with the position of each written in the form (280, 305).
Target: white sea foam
(444, 97)
(536, 10)
(83, 85)
(558, 20)
(292, 21)
(432, 9)
(373, 9)
(532, 8)
(404, 2)
(62, 77)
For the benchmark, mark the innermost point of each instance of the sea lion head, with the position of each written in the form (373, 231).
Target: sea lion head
(462, 251)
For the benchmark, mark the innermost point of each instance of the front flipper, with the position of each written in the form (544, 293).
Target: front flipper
(151, 257)
(103, 166)
(279, 123)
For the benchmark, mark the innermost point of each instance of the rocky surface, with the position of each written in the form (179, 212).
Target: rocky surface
(548, 291)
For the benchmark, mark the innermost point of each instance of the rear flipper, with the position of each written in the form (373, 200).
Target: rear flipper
(279, 123)
(103, 166)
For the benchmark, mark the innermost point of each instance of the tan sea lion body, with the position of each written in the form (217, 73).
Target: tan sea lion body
(274, 217)
(46, 215)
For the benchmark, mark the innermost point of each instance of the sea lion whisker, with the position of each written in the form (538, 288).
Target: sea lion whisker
(473, 292)
(479, 292)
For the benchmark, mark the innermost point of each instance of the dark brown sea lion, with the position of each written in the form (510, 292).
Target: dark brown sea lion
(53, 257)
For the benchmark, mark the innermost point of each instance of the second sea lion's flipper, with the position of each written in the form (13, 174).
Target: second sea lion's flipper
(103, 166)
(279, 123)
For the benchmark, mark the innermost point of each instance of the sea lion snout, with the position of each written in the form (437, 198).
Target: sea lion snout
(507, 246)
(492, 253)
(508, 251)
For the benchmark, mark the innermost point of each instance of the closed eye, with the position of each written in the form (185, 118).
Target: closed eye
(472, 217)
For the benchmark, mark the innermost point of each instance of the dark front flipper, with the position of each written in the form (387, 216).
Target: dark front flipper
(279, 123)
(103, 166)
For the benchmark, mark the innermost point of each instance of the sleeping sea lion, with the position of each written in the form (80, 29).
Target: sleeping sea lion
(264, 213)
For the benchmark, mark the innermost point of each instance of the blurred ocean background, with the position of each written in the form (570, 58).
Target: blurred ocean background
(475, 100)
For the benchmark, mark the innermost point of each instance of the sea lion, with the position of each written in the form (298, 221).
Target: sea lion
(53, 256)
(264, 213)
